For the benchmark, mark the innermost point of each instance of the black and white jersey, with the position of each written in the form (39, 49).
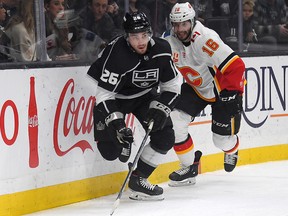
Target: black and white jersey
(122, 73)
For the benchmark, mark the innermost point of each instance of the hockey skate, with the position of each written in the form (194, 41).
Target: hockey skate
(142, 189)
(230, 161)
(186, 175)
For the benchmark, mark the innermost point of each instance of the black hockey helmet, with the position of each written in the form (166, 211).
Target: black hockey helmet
(136, 22)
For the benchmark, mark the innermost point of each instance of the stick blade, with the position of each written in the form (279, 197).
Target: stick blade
(198, 155)
(116, 203)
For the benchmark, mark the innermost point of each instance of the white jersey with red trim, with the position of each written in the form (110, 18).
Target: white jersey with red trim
(207, 62)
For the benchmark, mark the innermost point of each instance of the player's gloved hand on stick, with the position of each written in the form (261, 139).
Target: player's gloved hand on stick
(121, 134)
(124, 134)
(232, 101)
(158, 112)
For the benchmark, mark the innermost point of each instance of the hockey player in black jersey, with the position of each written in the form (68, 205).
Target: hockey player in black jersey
(128, 73)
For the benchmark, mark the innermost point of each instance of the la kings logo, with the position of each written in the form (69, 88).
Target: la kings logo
(146, 78)
(100, 126)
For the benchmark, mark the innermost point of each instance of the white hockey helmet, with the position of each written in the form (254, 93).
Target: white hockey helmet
(182, 12)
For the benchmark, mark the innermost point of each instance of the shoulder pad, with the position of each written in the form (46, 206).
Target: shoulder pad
(166, 34)
(114, 40)
(162, 45)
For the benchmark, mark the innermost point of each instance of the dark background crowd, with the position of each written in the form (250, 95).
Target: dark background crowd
(79, 30)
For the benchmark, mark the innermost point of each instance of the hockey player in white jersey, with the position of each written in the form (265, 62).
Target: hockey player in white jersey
(214, 75)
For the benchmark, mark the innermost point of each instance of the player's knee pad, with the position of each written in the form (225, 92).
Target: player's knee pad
(225, 143)
(181, 122)
(162, 141)
(109, 150)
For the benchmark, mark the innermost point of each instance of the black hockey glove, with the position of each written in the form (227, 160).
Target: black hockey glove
(159, 113)
(124, 134)
(232, 101)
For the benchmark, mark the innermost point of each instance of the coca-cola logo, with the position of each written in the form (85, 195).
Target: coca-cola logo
(73, 118)
(78, 119)
(33, 121)
(72, 123)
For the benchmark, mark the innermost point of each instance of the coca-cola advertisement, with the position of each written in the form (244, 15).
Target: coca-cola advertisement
(33, 126)
(46, 128)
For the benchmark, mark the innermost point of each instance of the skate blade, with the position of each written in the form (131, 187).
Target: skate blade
(144, 197)
(185, 182)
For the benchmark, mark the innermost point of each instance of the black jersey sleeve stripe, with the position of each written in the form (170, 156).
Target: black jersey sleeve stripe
(226, 61)
(168, 98)
(162, 54)
(212, 71)
(107, 107)
(173, 100)
(108, 56)
(173, 68)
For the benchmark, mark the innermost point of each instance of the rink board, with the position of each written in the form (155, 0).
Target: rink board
(66, 166)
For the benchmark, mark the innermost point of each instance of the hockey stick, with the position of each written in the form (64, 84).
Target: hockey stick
(131, 167)
(198, 155)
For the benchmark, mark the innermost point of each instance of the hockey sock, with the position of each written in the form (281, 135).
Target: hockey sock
(185, 151)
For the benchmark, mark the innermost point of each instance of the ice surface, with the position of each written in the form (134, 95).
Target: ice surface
(252, 190)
